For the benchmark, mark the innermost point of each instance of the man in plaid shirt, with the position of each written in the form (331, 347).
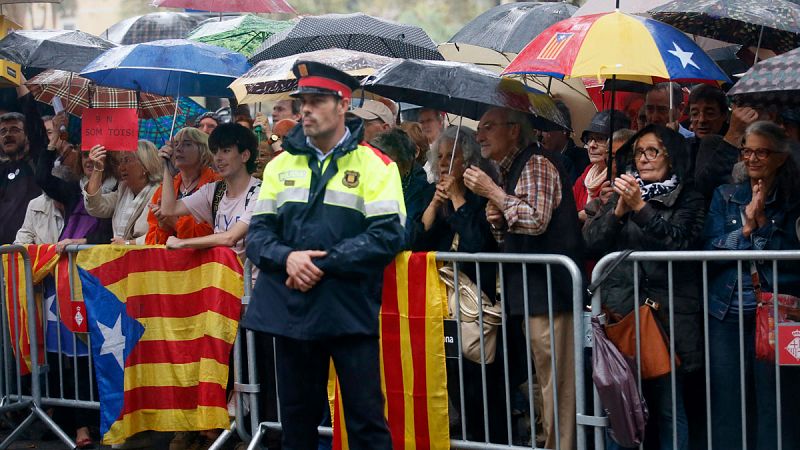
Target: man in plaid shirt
(533, 212)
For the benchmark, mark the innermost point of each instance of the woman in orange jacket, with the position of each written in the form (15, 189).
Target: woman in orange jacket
(192, 158)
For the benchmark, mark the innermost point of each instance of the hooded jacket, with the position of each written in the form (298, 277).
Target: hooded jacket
(672, 221)
(351, 206)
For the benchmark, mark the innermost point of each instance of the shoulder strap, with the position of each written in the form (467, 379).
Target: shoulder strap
(250, 193)
(219, 191)
(610, 268)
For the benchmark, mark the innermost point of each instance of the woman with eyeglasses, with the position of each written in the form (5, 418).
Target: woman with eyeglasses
(192, 158)
(654, 207)
(593, 183)
(139, 174)
(758, 213)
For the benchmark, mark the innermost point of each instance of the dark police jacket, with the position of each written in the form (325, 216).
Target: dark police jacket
(350, 206)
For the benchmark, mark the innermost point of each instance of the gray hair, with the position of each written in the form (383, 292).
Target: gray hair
(526, 133)
(623, 135)
(467, 143)
(12, 116)
(665, 86)
(772, 132)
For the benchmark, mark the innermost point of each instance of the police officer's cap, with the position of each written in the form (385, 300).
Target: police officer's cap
(318, 78)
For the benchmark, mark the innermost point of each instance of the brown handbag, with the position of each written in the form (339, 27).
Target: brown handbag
(654, 349)
(622, 331)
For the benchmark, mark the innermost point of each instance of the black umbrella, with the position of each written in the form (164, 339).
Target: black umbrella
(53, 49)
(153, 27)
(461, 88)
(772, 24)
(350, 32)
(508, 28)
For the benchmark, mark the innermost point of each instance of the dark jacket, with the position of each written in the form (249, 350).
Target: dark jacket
(474, 236)
(561, 237)
(723, 231)
(575, 159)
(17, 184)
(713, 165)
(417, 193)
(351, 206)
(672, 221)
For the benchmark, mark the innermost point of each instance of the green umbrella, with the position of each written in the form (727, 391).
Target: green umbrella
(242, 34)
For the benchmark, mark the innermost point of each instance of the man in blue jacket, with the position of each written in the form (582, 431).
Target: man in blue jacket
(328, 219)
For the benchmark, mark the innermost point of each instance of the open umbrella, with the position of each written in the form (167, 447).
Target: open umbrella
(273, 79)
(242, 34)
(772, 24)
(172, 67)
(497, 35)
(352, 32)
(460, 88)
(77, 93)
(617, 46)
(158, 130)
(53, 49)
(774, 80)
(153, 27)
(251, 6)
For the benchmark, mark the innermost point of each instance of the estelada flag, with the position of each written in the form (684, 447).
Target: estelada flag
(43, 260)
(162, 324)
(413, 377)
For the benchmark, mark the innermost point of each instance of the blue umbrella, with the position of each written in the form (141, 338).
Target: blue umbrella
(157, 130)
(171, 67)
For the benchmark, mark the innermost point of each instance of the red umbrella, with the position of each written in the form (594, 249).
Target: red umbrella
(251, 6)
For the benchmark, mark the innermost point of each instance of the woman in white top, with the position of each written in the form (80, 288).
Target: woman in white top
(139, 174)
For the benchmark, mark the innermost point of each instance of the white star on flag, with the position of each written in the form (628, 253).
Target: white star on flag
(684, 56)
(113, 341)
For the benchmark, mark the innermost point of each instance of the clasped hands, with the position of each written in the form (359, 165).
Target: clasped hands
(303, 273)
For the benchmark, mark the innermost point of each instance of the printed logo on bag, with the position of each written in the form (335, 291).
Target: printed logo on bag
(350, 178)
(789, 344)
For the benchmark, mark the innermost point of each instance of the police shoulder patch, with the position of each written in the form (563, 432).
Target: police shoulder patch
(350, 178)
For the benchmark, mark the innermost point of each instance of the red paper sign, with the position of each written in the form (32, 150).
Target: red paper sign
(789, 344)
(117, 129)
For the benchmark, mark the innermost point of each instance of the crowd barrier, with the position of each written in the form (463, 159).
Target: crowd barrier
(18, 392)
(702, 259)
(473, 388)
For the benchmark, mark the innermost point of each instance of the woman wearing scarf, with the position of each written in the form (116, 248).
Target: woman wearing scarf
(655, 208)
(590, 184)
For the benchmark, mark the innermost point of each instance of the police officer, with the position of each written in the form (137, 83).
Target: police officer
(328, 219)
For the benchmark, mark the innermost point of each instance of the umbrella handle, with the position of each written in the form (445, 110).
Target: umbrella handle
(455, 142)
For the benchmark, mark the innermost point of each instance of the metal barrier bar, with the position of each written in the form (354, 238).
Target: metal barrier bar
(34, 403)
(740, 258)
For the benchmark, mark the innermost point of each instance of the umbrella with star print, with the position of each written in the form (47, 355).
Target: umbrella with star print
(618, 46)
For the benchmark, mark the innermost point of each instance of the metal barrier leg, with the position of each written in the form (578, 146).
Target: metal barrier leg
(223, 437)
(262, 430)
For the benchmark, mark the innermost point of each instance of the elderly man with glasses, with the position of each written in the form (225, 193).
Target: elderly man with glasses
(533, 212)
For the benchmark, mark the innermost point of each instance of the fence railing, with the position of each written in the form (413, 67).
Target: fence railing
(702, 261)
(492, 405)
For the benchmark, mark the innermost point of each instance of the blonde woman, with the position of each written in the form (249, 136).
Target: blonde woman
(192, 158)
(139, 174)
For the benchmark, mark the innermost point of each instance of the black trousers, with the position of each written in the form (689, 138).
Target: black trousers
(303, 381)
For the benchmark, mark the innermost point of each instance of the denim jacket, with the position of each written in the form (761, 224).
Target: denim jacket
(723, 231)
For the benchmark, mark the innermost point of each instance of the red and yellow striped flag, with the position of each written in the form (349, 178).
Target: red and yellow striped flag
(189, 302)
(43, 260)
(413, 380)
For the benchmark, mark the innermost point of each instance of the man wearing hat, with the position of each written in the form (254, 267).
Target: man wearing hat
(377, 117)
(328, 219)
